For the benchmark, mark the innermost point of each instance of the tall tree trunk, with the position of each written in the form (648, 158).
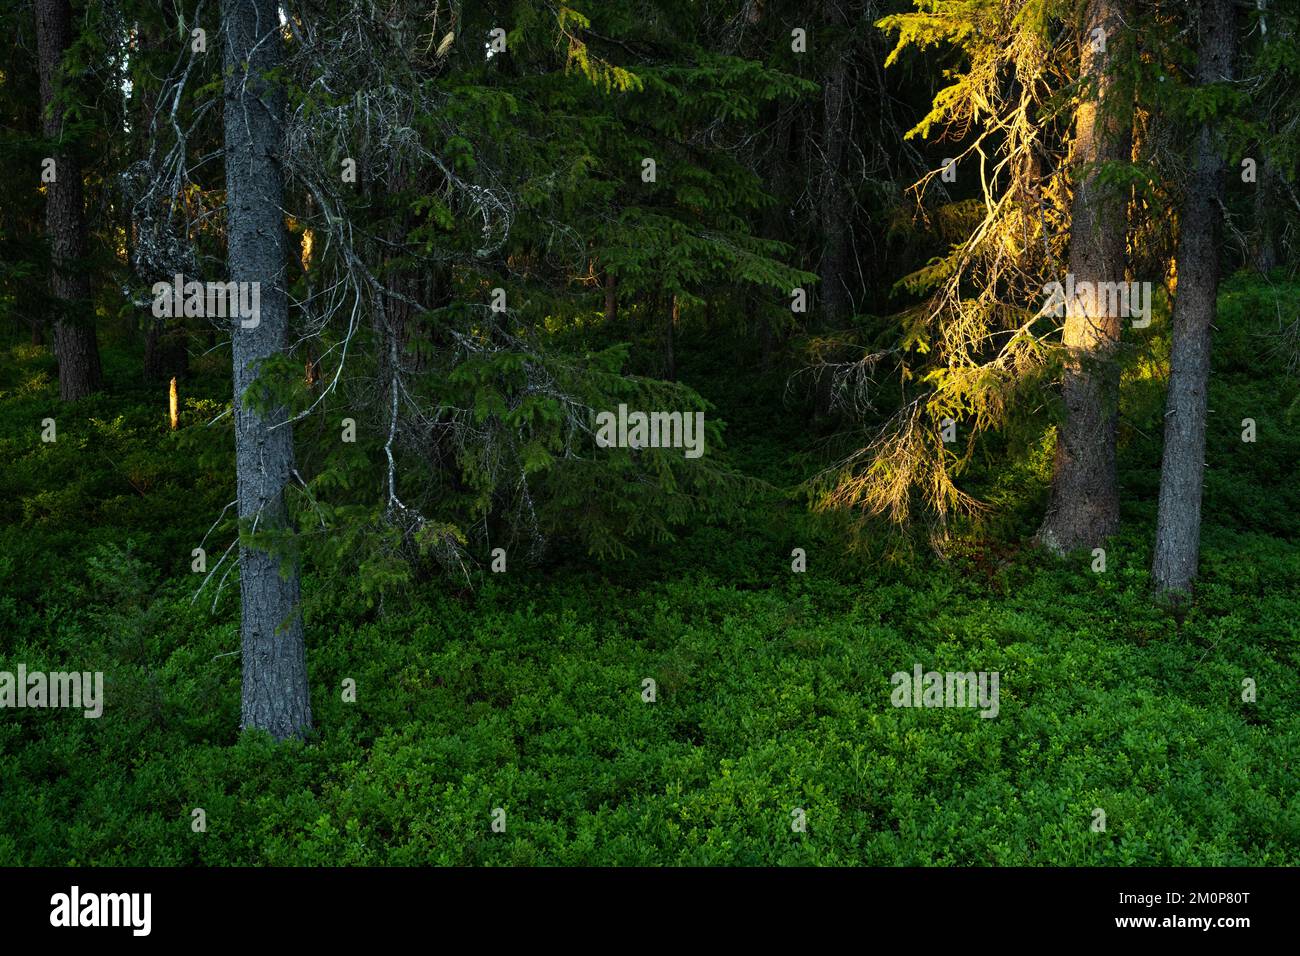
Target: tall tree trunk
(1263, 250)
(836, 262)
(275, 691)
(1178, 524)
(773, 225)
(834, 204)
(1084, 506)
(75, 346)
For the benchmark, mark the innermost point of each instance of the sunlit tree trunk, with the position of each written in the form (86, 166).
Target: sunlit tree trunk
(1084, 506)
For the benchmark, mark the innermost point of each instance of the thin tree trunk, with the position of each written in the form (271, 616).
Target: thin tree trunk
(1084, 506)
(834, 200)
(397, 313)
(1268, 220)
(1178, 524)
(836, 261)
(772, 225)
(275, 690)
(75, 347)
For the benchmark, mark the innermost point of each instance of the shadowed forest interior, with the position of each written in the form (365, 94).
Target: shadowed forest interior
(597, 433)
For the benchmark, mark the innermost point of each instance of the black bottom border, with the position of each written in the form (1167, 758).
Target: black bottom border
(335, 905)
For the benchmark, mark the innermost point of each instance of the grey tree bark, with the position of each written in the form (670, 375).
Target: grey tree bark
(75, 345)
(275, 690)
(1084, 506)
(1178, 524)
(1269, 219)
